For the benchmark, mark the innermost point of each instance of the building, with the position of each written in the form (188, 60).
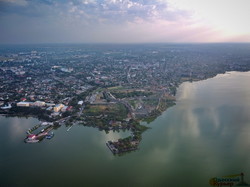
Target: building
(49, 108)
(39, 103)
(23, 104)
(80, 102)
(69, 108)
(64, 109)
(50, 104)
(58, 107)
(6, 107)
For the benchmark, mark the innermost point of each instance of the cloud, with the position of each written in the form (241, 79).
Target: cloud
(26, 8)
(113, 21)
(115, 11)
(14, 2)
(231, 16)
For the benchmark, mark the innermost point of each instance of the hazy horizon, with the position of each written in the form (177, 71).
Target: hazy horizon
(120, 43)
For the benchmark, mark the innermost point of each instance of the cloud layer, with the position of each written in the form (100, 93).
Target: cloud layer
(112, 21)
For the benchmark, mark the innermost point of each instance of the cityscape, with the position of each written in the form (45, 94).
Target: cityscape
(109, 87)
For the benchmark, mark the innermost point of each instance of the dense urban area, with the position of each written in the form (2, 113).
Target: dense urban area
(109, 87)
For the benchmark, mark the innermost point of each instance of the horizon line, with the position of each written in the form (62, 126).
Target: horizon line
(118, 43)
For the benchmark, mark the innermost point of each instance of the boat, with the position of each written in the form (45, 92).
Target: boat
(49, 136)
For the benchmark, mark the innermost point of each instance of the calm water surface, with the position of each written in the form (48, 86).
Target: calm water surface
(207, 134)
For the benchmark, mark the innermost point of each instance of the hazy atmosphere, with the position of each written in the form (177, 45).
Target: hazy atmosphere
(124, 21)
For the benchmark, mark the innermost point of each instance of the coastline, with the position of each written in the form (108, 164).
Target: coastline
(138, 128)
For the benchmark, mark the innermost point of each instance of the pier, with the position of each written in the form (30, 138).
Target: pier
(69, 128)
(34, 138)
(121, 147)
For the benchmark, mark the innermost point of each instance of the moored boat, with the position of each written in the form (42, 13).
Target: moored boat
(49, 136)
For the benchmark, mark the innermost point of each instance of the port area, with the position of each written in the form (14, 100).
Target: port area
(35, 135)
(123, 145)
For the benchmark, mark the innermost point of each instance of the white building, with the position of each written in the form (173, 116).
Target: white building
(39, 103)
(80, 102)
(23, 104)
(50, 104)
(6, 107)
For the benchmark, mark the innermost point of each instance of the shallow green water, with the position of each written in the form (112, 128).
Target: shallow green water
(206, 134)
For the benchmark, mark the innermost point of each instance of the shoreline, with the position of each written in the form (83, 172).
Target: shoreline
(143, 118)
(138, 128)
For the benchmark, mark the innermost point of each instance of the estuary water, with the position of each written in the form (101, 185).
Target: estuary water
(206, 134)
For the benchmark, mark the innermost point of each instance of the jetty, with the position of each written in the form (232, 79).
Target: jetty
(69, 128)
(123, 145)
(34, 138)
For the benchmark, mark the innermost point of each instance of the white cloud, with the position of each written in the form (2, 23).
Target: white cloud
(86, 2)
(230, 16)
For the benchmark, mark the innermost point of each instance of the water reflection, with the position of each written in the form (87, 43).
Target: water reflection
(113, 136)
(206, 134)
(14, 127)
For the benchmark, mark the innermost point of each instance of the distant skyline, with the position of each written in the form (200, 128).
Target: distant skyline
(123, 21)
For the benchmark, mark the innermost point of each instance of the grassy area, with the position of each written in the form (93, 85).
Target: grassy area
(99, 89)
(165, 102)
(149, 119)
(113, 111)
(151, 101)
(97, 109)
(132, 103)
(115, 88)
(126, 94)
(141, 128)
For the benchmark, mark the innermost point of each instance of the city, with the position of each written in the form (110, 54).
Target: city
(109, 87)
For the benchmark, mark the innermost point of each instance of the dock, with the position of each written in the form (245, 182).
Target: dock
(112, 148)
(69, 128)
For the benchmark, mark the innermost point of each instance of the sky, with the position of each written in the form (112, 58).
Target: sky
(124, 21)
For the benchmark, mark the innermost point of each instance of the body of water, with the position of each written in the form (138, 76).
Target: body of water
(206, 134)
